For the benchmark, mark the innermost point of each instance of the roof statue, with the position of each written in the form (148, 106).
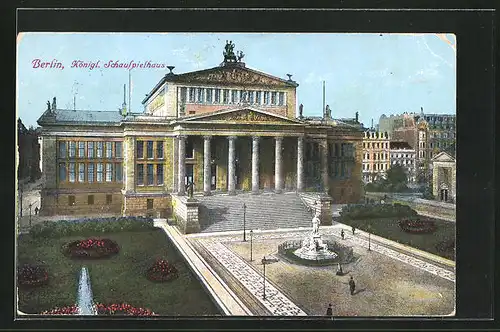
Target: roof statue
(230, 55)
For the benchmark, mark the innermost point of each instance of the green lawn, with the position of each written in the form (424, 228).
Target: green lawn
(389, 228)
(120, 278)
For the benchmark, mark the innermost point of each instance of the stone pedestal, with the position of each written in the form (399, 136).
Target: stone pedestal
(185, 211)
(324, 203)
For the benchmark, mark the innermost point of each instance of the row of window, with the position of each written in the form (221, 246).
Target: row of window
(376, 156)
(402, 162)
(90, 200)
(149, 174)
(442, 135)
(90, 172)
(90, 149)
(154, 149)
(376, 167)
(377, 145)
(400, 155)
(231, 96)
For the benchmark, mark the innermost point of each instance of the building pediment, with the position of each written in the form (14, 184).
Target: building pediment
(443, 157)
(233, 75)
(241, 115)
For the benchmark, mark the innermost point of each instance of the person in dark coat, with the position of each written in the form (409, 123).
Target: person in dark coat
(36, 210)
(352, 285)
(339, 270)
(342, 234)
(329, 311)
(353, 229)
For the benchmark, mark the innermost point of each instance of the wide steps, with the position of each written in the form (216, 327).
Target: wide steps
(263, 211)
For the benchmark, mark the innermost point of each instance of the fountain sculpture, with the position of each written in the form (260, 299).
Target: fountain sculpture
(313, 247)
(85, 299)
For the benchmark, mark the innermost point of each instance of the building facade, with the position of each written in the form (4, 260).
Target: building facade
(28, 151)
(223, 130)
(444, 177)
(403, 154)
(376, 155)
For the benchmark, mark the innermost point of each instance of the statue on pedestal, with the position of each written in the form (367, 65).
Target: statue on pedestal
(315, 223)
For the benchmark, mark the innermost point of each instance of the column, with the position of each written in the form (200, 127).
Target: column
(300, 164)
(278, 176)
(324, 165)
(255, 164)
(231, 176)
(181, 173)
(206, 165)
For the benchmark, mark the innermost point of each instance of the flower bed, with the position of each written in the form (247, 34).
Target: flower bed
(90, 248)
(32, 275)
(370, 211)
(122, 309)
(417, 226)
(161, 271)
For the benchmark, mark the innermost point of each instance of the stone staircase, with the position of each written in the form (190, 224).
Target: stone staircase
(264, 211)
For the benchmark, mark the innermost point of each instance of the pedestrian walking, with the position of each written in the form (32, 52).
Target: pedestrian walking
(339, 270)
(352, 285)
(329, 311)
(36, 210)
(353, 229)
(342, 234)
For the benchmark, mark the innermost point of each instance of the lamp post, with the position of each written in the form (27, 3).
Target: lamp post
(31, 204)
(251, 242)
(264, 275)
(369, 238)
(244, 222)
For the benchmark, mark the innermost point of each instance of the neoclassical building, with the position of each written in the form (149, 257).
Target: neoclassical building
(376, 155)
(225, 129)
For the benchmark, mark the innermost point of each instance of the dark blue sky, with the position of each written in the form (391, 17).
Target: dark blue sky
(369, 73)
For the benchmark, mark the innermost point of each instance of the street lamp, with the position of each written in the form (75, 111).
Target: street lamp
(244, 222)
(31, 204)
(369, 238)
(264, 275)
(251, 241)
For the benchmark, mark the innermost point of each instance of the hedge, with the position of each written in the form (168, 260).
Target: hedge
(368, 211)
(90, 226)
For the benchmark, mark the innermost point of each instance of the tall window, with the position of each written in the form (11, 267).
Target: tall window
(281, 99)
(62, 149)
(71, 167)
(217, 96)
(200, 95)
(209, 95)
(118, 172)
(274, 98)
(81, 149)
(90, 150)
(225, 96)
(81, 172)
(258, 97)
(109, 172)
(140, 174)
(140, 149)
(266, 97)
(90, 173)
(99, 172)
(72, 149)
(90, 199)
(118, 149)
(150, 149)
(71, 200)
(251, 95)
(62, 171)
(192, 95)
(183, 94)
(234, 96)
(109, 199)
(99, 149)
(109, 149)
(159, 174)
(149, 203)
(244, 96)
(189, 148)
(159, 149)
(150, 175)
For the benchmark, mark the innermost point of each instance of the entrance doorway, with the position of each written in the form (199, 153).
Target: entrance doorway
(444, 195)
(189, 174)
(213, 180)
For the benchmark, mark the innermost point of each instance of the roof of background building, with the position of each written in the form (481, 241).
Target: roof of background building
(399, 145)
(80, 117)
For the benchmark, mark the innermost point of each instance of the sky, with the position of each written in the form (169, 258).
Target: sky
(372, 74)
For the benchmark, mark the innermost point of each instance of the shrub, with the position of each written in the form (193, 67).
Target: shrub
(90, 248)
(369, 211)
(32, 275)
(417, 226)
(89, 226)
(161, 271)
(121, 309)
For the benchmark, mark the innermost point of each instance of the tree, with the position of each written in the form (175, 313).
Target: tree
(396, 176)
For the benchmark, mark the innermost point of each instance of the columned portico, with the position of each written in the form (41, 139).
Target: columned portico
(181, 186)
(300, 164)
(255, 164)
(231, 174)
(206, 165)
(278, 167)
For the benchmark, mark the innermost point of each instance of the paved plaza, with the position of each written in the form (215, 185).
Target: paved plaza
(392, 280)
